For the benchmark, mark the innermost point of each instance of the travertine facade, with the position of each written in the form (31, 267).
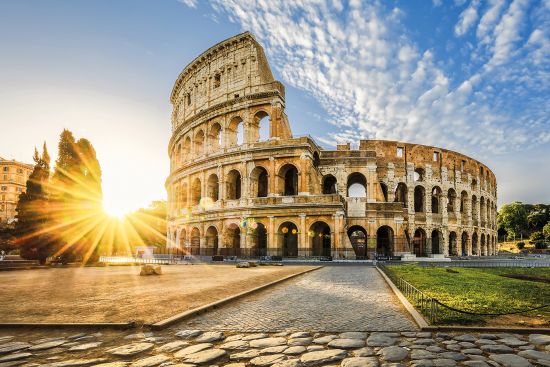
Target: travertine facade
(13, 181)
(241, 183)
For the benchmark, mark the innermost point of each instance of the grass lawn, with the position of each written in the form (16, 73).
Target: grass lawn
(483, 290)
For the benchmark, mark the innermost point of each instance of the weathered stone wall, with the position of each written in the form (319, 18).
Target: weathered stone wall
(240, 182)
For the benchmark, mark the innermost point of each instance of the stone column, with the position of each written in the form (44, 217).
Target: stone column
(303, 243)
(271, 233)
(272, 176)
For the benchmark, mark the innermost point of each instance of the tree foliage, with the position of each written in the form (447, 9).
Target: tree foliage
(513, 218)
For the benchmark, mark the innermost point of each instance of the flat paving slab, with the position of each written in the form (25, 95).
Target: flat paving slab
(334, 298)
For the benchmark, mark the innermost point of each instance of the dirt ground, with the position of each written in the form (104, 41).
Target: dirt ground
(119, 294)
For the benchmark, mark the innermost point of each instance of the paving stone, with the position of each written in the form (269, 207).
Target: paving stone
(239, 364)
(422, 354)
(435, 349)
(510, 360)
(539, 339)
(300, 334)
(527, 347)
(496, 349)
(324, 339)
(287, 363)
(485, 342)
(543, 363)
(475, 364)
(131, 349)
(173, 346)
(48, 345)
(364, 352)
(77, 362)
(454, 347)
(360, 362)
(300, 341)
(267, 360)
(188, 334)
(424, 341)
(298, 349)
(393, 353)
(113, 364)
(267, 342)
(488, 336)
(233, 338)
(205, 356)
(273, 350)
(234, 345)
(513, 342)
(422, 363)
(465, 338)
(533, 354)
(13, 347)
(312, 348)
(353, 335)
(380, 340)
(467, 345)
(7, 338)
(183, 353)
(47, 340)
(346, 343)
(454, 356)
(255, 336)
(210, 336)
(150, 361)
(247, 354)
(84, 347)
(472, 351)
(439, 362)
(322, 357)
(15, 357)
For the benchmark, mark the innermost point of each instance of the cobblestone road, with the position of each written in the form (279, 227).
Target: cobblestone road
(334, 298)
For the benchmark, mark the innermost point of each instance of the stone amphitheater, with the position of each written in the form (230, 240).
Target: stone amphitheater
(241, 184)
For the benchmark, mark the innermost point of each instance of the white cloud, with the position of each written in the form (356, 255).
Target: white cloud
(189, 3)
(489, 19)
(467, 18)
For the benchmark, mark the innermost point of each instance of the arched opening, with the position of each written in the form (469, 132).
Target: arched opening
(258, 182)
(261, 125)
(482, 209)
(474, 244)
(289, 236)
(198, 143)
(357, 185)
(483, 245)
(196, 192)
(235, 132)
(474, 184)
(233, 240)
(186, 150)
(195, 241)
(453, 251)
(212, 240)
(435, 243)
(329, 185)
(463, 201)
(288, 180)
(212, 187)
(316, 159)
(233, 185)
(215, 137)
(259, 240)
(436, 198)
(384, 241)
(319, 233)
(419, 243)
(178, 155)
(451, 200)
(401, 194)
(183, 239)
(464, 244)
(419, 195)
(419, 174)
(384, 189)
(474, 207)
(358, 238)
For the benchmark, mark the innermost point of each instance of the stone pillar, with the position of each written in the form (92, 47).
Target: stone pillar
(304, 166)
(272, 178)
(271, 233)
(303, 243)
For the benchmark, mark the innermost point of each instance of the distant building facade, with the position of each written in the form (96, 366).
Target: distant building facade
(13, 182)
(241, 184)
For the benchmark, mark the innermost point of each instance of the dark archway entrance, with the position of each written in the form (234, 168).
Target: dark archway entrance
(436, 241)
(419, 243)
(384, 241)
(289, 237)
(464, 244)
(211, 241)
(358, 238)
(453, 251)
(260, 240)
(320, 239)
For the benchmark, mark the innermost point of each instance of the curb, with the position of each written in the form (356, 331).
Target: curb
(196, 311)
(68, 325)
(417, 317)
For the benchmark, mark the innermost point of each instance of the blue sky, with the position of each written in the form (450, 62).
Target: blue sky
(473, 76)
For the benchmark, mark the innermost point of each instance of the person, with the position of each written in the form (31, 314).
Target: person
(2, 255)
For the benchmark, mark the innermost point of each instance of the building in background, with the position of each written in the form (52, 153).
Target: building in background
(13, 182)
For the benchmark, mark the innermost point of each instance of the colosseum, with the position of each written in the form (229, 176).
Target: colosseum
(242, 185)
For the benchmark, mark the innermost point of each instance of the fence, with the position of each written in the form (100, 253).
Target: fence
(438, 312)
(493, 263)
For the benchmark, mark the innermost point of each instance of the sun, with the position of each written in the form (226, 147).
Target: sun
(114, 210)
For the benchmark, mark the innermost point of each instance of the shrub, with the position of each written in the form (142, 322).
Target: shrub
(520, 245)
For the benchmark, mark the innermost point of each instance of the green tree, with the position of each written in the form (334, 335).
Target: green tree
(546, 231)
(33, 222)
(513, 218)
(539, 215)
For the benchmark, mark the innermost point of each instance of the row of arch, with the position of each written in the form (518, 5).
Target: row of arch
(216, 136)
(419, 176)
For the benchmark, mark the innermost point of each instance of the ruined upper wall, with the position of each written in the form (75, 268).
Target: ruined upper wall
(227, 71)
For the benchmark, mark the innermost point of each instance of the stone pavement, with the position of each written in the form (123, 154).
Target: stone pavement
(334, 298)
(189, 348)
